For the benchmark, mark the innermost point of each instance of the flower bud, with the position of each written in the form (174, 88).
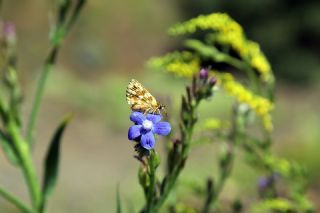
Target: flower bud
(141, 151)
(154, 159)
(144, 178)
(212, 81)
(226, 158)
(11, 77)
(210, 186)
(9, 32)
(203, 74)
(176, 141)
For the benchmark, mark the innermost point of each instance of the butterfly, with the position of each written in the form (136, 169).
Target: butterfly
(141, 100)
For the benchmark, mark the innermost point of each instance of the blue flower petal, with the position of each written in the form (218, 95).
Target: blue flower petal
(154, 118)
(137, 117)
(134, 132)
(162, 128)
(148, 141)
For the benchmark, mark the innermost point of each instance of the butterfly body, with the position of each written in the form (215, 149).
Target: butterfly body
(140, 99)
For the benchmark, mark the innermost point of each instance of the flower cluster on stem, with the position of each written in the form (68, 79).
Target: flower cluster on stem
(156, 192)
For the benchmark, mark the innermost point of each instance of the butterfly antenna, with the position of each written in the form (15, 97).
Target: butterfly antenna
(165, 111)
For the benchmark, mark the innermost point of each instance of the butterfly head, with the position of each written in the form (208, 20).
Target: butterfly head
(162, 107)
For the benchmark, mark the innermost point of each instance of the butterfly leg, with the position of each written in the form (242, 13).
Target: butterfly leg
(147, 111)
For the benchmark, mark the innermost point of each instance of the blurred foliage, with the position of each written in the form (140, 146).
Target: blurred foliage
(288, 32)
(106, 40)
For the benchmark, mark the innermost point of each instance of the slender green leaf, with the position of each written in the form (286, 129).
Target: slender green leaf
(119, 209)
(14, 200)
(51, 169)
(75, 13)
(64, 7)
(9, 149)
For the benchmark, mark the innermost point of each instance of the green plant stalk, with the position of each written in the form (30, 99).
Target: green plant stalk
(14, 200)
(171, 180)
(212, 198)
(60, 32)
(208, 201)
(172, 177)
(28, 170)
(49, 64)
(37, 102)
(150, 193)
(236, 136)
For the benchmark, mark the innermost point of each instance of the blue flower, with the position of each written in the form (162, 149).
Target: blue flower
(146, 127)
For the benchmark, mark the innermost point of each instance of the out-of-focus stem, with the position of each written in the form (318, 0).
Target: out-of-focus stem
(48, 66)
(28, 170)
(60, 32)
(14, 200)
(151, 189)
(212, 197)
(37, 102)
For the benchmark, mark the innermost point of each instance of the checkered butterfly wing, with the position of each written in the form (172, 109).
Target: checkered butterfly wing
(140, 98)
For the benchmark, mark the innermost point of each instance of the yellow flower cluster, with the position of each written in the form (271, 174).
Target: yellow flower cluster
(214, 124)
(182, 208)
(284, 167)
(183, 69)
(274, 204)
(183, 64)
(219, 22)
(258, 60)
(228, 32)
(260, 105)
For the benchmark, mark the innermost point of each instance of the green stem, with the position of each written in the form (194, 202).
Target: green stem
(171, 180)
(212, 197)
(60, 32)
(37, 102)
(173, 176)
(150, 193)
(209, 200)
(48, 66)
(62, 29)
(14, 200)
(76, 12)
(236, 135)
(26, 165)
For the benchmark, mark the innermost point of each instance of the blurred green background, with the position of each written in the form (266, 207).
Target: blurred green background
(109, 45)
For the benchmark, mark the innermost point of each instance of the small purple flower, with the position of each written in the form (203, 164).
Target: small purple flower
(9, 32)
(263, 183)
(212, 81)
(146, 127)
(203, 74)
(266, 181)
